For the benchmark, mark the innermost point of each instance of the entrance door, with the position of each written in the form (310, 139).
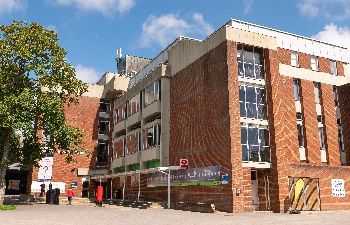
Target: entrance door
(85, 193)
(255, 193)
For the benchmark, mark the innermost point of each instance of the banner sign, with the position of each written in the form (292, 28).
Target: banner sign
(207, 176)
(45, 170)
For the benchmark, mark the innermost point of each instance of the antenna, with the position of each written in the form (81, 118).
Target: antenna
(119, 54)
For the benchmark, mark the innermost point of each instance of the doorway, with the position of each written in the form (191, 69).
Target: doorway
(255, 190)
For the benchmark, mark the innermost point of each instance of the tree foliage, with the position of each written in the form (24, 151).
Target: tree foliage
(36, 82)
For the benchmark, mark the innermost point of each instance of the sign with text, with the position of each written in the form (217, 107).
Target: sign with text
(208, 176)
(338, 188)
(45, 169)
(184, 163)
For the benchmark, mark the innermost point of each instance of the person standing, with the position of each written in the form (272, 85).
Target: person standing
(42, 189)
(70, 195)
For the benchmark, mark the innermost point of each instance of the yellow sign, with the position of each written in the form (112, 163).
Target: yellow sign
(299, 187)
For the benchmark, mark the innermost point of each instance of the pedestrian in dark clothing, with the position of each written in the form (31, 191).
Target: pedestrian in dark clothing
(42, 190)
(70, 195)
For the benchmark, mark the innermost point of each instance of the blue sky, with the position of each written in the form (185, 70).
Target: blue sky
(92, 30)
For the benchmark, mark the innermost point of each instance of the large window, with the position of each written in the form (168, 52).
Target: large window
(152, 93)
(252, 101)
(120, 148)
(321, 138)
(152, 136)
(104, 106)
(134, 105)
(335, 96)
(103, 126)
(296, 85)
(120, 113)
(317, 92)
(314, 63)
(102, 154)
(134, 143)
(255, 143)
(294, 59)
(334, 70)
(250, 62)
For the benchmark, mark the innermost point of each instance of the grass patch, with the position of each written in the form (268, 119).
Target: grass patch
(7, 207)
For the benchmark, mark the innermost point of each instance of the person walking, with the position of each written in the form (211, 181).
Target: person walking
(70, 195)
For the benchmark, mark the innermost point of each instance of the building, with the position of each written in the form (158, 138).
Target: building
(260, 114)
(265, 106)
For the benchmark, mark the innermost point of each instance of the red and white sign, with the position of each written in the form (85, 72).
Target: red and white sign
(184, 163)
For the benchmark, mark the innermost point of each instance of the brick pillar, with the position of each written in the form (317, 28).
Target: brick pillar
(330, 125)
(241, 202)
(311, 128)
(283, 131)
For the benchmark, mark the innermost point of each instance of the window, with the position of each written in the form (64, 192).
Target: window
(252, 102)
(104, 106)
(317, 92)
(321, 137)
(334, 70)
(120, 148)
(335, 96)
(152, 93)
(102, 154)
(120, 114)
(294, 59)
(134, 143)
(250, 62)
(300, 128)
(103, 127)
(134, 105)
(296, 84)
(340, 139)
(152, 136)
(314, 63)
(255, 143)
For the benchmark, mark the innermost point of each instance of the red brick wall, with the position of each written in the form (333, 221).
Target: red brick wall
(85, 117)
(324, 65)
(330, 125)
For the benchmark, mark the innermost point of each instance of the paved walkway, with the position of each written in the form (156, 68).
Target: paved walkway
(38, 214)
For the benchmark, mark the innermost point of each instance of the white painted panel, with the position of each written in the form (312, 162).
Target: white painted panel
(302, 154)
(323, 156)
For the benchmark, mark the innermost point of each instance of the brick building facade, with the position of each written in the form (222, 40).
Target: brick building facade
(268, 108)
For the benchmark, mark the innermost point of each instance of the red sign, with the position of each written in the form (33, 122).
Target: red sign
(184, 163)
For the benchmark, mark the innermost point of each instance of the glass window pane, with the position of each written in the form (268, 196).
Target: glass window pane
(262, 112)
(250, 94)
(251, 110)
(240, 69)
(241, 94)
(258, 73)
(249, 57)
(243, 112)
(254, 153)
(245, 153)
(253, 136)
(249, 70)
(260, 95)
(265, 154)
(243, 135)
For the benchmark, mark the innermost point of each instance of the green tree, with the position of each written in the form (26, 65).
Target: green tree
(36, 82)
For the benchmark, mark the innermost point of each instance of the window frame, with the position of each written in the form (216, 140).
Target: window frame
(315, 59)
(258, 104)
(334, 68)
(241, 60)
(296, 60)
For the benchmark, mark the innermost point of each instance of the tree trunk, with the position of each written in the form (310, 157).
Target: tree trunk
(3, 163)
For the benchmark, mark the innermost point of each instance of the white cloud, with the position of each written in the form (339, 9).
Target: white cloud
(334, 34)
(162, 30)
(8, 6)
(330, 9)
(105, 7)
(87, 74)
(247, 6)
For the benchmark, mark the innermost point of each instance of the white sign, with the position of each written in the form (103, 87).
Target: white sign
(13, 185)
(35, 188)
(338, 188)
(45, 170)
